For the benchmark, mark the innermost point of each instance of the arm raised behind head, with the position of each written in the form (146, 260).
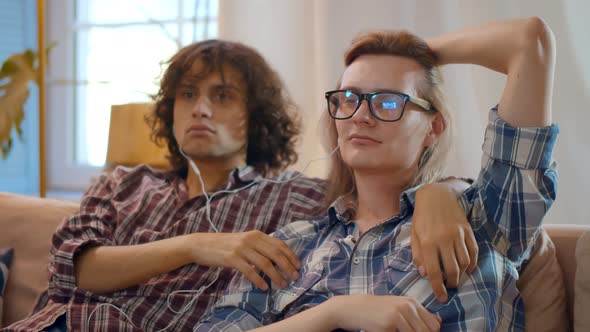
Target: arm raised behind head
(524, 50)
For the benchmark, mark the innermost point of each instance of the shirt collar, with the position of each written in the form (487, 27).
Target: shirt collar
(238, 177)
(344, 207)
(243, 175)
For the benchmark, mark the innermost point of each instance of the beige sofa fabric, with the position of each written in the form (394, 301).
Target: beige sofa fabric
(565, 238)
(582, 284)
(26, 224)
(543, 290)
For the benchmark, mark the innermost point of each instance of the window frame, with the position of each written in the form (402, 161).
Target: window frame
(63, 172)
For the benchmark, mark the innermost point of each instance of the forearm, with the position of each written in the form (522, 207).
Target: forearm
(452, 184)
(317, 319)
(110, 268)
(524, 49)
(431, 193)
(493, 45)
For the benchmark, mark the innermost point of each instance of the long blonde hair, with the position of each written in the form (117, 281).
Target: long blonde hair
(433, 158)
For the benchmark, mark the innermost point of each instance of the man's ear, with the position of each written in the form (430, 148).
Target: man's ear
(437, 127)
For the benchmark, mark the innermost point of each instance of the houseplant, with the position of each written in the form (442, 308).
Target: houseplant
(16, 74)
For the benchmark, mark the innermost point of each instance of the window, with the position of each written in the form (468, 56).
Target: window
(108, 52)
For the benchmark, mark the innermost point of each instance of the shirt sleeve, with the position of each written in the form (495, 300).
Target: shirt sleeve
(306, 195)
(515, 188)
(94, 225)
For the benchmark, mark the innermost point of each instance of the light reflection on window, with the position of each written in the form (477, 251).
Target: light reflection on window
(121, 47)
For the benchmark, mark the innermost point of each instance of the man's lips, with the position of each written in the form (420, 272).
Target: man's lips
(200, 129)
(363, 139)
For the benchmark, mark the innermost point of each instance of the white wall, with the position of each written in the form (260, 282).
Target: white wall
(305, 40)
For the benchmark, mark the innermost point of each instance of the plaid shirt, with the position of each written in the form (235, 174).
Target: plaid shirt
(505, 206)
(140, 205)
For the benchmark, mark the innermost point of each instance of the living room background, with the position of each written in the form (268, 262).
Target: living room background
(304, 40)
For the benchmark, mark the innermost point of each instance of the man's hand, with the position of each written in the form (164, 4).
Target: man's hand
(441, 235)
(248, 252)
(381, 313)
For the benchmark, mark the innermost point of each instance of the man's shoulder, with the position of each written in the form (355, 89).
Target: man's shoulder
(124, 178)
(139, 172)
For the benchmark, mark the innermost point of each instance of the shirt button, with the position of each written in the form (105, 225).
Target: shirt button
(356, 260)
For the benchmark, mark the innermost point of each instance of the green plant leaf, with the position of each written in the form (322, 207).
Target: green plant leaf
(6, 146)
(8, 68)
(49, 47)
(29, 58)
(19, 132)
(19, 71)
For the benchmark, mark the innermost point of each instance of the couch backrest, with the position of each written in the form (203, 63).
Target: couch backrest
(565, 238)
(26, 224)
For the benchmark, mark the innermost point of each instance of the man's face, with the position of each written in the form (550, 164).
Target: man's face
(210, 115)
(369, 144)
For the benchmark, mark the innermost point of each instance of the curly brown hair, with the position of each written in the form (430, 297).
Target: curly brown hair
(273, 126)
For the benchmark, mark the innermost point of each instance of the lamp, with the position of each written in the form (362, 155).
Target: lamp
(129, 138)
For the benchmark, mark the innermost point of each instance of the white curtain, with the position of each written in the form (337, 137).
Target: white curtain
(304, 40)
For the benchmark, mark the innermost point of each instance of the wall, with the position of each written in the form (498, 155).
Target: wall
(305, 40)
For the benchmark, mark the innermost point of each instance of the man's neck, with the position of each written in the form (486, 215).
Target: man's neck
(378, 197)
(215, 174)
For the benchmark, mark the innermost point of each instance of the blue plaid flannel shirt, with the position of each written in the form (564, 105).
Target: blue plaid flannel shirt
(505, 206)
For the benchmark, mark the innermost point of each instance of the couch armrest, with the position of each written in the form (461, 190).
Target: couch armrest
(27, 224)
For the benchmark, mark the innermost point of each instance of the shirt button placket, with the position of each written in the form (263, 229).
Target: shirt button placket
(357, 272)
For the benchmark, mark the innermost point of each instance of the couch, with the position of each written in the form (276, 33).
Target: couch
(26, 224)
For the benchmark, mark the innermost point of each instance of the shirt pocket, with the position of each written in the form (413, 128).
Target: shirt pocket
(403, 279)
(285, 297)
(400, 271)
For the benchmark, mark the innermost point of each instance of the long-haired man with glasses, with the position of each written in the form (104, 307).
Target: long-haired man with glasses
(389, 120)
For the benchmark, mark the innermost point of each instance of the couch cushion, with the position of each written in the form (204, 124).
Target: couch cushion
(542, 288)
(27, 224)
(582, 284)
(5, 261)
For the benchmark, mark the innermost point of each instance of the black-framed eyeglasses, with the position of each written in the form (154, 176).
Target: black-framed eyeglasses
(385, 106)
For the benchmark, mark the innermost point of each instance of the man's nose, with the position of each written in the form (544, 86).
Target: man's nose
(363, 114)
(201, 108)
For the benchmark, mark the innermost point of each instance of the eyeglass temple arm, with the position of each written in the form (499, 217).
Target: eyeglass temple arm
(421, 102)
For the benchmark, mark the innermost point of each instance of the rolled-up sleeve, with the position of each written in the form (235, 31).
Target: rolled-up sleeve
(515, 188)
(94, 225)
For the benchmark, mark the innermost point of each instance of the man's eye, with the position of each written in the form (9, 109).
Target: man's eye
(188, 94)
(221, 96)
